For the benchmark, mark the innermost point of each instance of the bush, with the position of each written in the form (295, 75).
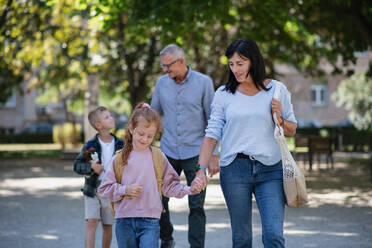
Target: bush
(120, 133)
(67, 133)
(26, 138)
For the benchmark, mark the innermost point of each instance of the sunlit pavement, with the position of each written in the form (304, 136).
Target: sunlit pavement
(42, 206)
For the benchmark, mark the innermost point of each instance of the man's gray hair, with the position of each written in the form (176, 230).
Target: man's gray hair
(173, 50)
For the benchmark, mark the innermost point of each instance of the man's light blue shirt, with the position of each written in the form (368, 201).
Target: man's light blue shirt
(245, 125)
(186, 108)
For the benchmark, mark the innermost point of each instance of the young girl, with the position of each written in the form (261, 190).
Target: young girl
(137, 216)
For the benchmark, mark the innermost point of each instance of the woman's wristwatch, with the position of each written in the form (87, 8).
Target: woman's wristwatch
(201, 167)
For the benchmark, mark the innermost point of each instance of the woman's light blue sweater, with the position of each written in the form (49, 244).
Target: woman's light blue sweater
(244, 124)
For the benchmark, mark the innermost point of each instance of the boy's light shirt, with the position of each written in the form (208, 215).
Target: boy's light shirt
(106, 155)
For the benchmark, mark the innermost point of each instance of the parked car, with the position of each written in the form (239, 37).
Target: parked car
(36, 133)
(38, 129)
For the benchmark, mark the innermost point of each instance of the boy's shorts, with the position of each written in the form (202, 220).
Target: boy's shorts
(98, 207)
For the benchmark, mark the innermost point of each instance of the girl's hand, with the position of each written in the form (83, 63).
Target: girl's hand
(133, 190)
(201, 176)
(196, 185)
(276, 107)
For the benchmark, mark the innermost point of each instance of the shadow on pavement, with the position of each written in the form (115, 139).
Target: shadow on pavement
(42, 206)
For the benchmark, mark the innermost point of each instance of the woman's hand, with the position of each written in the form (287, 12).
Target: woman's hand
(196, 185)
(276, 107)
(201, 176)
(214, 165)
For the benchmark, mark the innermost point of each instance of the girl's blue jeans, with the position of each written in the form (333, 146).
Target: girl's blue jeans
(137, 232)
(239, 180)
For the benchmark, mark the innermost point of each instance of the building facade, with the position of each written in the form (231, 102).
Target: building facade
(312, 97)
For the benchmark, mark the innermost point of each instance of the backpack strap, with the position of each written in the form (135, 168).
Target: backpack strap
(118, 165)
(157, 157)
(119, 168)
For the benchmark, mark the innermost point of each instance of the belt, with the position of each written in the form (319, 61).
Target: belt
(242, 155)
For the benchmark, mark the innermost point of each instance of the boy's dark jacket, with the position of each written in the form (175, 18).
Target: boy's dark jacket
(82, 167)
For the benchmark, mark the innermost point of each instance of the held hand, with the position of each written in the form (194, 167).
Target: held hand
(214, 165)
(196, 185)
(97, 168)
(133, 190)
(276, 107)
(201, 175)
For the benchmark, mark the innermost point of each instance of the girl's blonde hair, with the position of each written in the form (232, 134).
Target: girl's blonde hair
(142, 111)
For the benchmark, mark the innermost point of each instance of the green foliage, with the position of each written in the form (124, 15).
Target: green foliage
(30, 154)
(21, 28)
(120, 133)
(68, 133)
(117, 101)
(57, 43)
(355, 94)
(339, 37)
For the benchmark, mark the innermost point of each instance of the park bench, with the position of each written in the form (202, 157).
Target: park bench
(309, 146)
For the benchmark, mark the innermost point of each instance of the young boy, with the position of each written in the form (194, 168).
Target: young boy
(105, 145)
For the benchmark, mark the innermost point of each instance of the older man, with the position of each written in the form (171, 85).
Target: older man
(183, 96)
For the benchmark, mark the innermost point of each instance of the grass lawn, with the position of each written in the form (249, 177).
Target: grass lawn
(29, 154)
(28, 151)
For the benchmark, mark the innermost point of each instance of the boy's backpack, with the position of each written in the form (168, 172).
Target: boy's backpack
(157, 157)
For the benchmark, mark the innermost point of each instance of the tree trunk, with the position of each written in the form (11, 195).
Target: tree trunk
(138, 86)
(91, 102)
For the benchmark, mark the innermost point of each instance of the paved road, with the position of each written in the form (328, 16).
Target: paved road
(41, 206)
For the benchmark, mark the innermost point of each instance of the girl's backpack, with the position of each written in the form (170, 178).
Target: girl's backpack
(157, 157)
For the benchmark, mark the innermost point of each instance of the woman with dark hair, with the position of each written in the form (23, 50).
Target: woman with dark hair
(250, 156)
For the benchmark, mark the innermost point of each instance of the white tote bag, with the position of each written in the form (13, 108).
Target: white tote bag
(293, 179)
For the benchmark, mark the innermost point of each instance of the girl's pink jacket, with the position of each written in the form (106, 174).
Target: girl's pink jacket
(140, 170)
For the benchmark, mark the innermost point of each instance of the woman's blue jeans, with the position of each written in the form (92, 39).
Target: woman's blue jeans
(137, 232)
(239, 180)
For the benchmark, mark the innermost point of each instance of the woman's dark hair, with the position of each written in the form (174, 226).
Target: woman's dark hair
(248, 49)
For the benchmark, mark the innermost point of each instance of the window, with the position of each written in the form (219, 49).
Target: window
(319, 94)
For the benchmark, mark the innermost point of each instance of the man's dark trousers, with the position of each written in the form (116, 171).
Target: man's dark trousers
(197, 218)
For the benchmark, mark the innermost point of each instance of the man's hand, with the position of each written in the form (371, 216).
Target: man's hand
(214, 165)
(97, 168)
(133, 190)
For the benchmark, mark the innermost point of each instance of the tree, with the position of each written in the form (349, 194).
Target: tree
(66, 38)
(290, 32)
(65, 55)
(342, 27)
(22, 25)
(129, 49)
(355, 94)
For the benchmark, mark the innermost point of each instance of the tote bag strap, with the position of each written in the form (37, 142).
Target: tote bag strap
(278, 128)
(278, 85)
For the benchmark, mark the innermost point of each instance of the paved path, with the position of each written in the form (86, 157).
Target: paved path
(41, 206)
